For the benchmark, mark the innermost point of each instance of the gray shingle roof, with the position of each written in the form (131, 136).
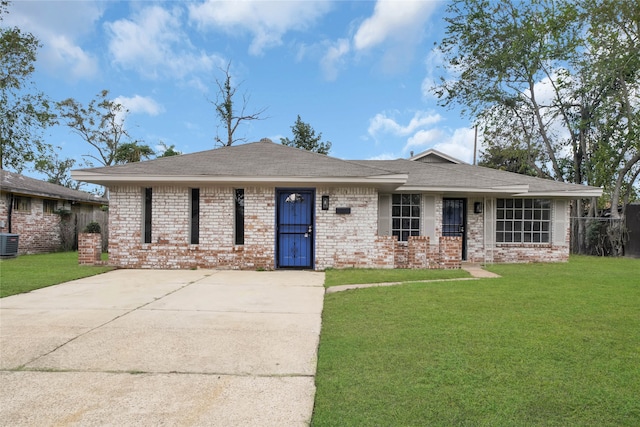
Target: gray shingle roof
(465, 177)
(264, 159)
(20, 184)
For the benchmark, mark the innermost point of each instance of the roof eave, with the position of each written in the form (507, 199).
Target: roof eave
(47, 195)
(105, 179)
(587, 192)
(445, 189)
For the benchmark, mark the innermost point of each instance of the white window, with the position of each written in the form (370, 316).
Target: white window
(405, 216)
(523, 220)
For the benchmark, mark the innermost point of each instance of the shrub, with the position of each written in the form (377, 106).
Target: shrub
(92, 227)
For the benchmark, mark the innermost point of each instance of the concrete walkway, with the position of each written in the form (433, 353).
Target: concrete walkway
(136, 347)
(476, 271)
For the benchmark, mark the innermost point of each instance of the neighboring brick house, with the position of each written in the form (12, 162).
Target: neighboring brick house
(35, 209)
(265, 205)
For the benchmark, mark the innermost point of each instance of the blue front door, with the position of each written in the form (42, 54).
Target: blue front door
(295, 228)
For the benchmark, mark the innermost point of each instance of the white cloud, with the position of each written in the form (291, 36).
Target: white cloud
(154, 44)
(60, 27)
(266, 21)
(65, 54)
(423, 138)
(140, 104)
(381, 123)
(420, 133)
(384, 156)
(400, 25)
(458, 144)
(334, 58)
(393, 20)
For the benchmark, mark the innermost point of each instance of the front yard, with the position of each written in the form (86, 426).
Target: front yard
(546, 344)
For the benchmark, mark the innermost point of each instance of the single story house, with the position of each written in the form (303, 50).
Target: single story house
(266, 205)
(44, 215)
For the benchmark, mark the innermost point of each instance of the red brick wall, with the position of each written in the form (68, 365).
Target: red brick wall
(39, 232)
(418, 252)
(4, 213)
(450, 252)
(89, 248)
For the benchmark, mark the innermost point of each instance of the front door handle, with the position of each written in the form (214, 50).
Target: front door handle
(461, 229)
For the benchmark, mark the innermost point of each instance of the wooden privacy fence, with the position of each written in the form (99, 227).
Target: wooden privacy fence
(75, 222)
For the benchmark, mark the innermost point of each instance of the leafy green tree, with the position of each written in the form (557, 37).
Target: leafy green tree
(509, 159)
(556, 79)
(101, 125)
(503, 50)
(24, 111)
(131, 152)
(612, 72)
(304, 136)
(168, 151)
(57, 171)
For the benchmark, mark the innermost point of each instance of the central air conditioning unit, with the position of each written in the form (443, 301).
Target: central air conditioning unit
(8, 245)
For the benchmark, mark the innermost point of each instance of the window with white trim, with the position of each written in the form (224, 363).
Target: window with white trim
(523, 220)
(405, 216)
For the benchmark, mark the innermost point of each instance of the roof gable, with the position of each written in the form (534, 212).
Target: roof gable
(435, 156)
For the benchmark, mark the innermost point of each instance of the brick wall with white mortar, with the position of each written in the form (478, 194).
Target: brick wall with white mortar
(171, 246)
(475, 232)
(349, 240)
(341, 240)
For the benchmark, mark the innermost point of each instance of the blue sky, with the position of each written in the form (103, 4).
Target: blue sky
(357, 71)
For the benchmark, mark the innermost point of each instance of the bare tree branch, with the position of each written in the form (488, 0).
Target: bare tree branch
(227, 112)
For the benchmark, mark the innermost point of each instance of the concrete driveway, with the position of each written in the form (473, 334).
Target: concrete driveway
(150, 347)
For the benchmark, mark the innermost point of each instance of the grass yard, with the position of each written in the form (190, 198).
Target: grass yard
(28, 272)
(545, 345)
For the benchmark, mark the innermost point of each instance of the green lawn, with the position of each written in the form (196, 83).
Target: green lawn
(545, 345)
(28, 272)
(351, 276)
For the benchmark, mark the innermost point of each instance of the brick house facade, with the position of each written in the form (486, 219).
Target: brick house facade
(37, 211)
(306, 210)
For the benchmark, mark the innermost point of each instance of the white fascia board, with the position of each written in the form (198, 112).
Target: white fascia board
(566, 194)
(103, 178)
(498, 190)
